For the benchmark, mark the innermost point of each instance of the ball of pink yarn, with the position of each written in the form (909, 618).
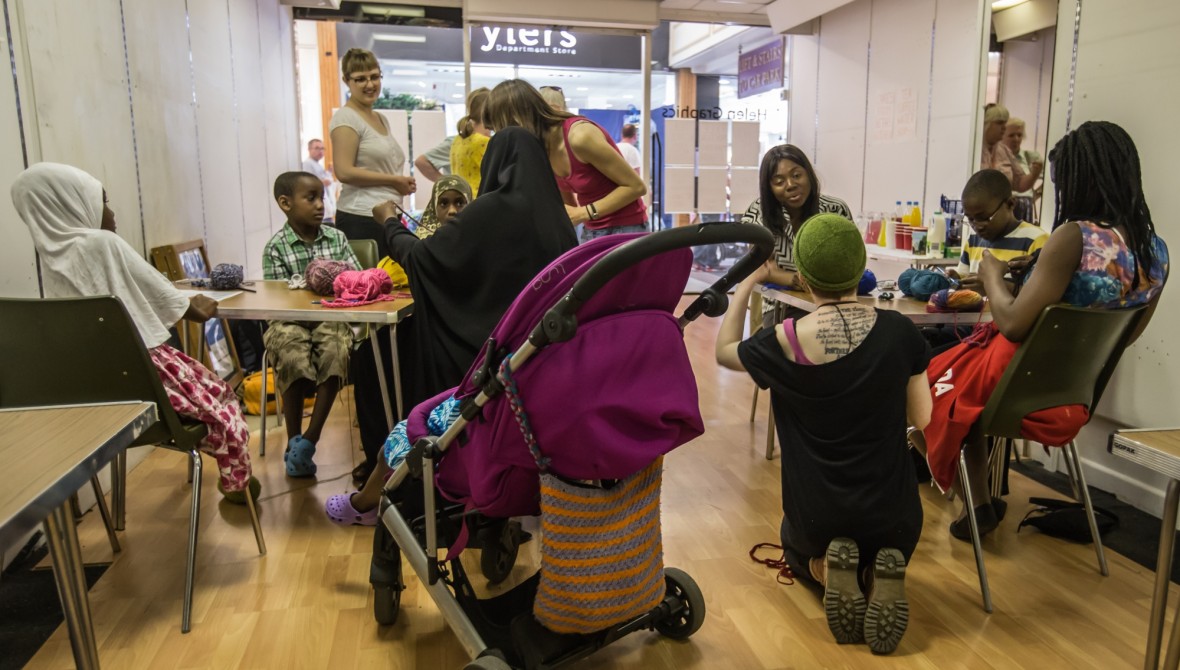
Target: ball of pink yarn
(360, 285)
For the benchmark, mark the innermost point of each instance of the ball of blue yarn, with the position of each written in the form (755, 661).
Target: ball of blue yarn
(921, 284)
(867, 283)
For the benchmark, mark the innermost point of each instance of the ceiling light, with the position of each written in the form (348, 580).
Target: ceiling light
(422, 84)
(997, 5)
(456, 95)
(583, 88)
(408, 73)
(390, 37)
(390, 10)
(459, 83)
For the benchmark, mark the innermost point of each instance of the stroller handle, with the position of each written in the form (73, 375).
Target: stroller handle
(560, 322)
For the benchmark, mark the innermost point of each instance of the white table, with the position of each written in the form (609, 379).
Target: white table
(1158, 450)
(911, 308)
(878, 253)
(46, 454)
(271, 300)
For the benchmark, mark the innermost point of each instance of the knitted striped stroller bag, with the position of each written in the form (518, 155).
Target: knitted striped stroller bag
(602, 557)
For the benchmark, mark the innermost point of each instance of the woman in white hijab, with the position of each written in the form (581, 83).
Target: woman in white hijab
(73, 230)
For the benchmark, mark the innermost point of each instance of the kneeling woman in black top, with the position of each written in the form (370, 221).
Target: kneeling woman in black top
(845, 381)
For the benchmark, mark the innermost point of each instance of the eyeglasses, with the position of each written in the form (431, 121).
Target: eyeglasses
(552, 88)
(974, 220)
(376, 78)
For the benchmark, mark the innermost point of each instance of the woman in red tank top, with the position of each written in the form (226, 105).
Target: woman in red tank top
(600, 189)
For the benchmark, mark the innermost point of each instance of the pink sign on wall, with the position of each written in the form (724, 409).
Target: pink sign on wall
(761, 70)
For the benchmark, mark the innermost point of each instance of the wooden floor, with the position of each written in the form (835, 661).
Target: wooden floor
(307, 604)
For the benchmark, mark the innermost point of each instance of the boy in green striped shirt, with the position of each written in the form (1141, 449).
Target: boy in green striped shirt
(988, 206)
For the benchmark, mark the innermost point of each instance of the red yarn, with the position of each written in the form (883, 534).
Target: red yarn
(360, 287)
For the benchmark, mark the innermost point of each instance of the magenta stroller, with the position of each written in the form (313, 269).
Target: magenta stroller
(579, 392)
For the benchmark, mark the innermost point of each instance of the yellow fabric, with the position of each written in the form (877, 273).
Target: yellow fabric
(252, 394)
(466, 157)
(396, 274)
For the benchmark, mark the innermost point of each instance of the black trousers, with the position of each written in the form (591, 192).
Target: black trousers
(366, 391)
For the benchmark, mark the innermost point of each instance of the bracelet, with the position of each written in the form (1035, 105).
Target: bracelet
(589, 215)
(593, 211)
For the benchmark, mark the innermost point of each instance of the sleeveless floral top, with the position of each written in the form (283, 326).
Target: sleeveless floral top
(1107, 270)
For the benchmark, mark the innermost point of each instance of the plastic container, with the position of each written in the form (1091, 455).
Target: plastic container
(915, 214)
(873, 230)
(936, 238)
(889, 233)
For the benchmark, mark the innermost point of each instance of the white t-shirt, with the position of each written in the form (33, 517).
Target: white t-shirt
(631, 155)
(317, 168)
(376, 152)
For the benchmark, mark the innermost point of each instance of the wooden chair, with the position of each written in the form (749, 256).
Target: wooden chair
(87, 350)
(1067, 360)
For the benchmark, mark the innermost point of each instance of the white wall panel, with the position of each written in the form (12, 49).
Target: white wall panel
(165, 122)
(899, 70)
(279, 104)
(18, 259)
(843, 72)
(952, 113)
(803, 88)
(258, 206)
(221, 170)
(83, 112)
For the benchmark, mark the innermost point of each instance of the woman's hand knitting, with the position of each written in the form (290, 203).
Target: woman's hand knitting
(384, 211)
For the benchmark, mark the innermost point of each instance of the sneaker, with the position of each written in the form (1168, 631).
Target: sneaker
(844, 604)
(888, 612)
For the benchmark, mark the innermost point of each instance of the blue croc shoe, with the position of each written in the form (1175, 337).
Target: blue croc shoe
(298, 457)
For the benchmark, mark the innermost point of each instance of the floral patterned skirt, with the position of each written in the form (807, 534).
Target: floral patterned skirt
(196, 393)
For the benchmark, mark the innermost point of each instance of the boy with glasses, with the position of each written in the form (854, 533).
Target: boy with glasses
(988, 207)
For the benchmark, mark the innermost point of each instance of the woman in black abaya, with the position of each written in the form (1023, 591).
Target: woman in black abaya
(466, 275)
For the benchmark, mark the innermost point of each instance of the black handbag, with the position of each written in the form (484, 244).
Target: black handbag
(1066, 519)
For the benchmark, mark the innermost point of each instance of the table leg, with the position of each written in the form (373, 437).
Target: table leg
(62, 537)
(397, 371)
(1163, 573)
(380, 363)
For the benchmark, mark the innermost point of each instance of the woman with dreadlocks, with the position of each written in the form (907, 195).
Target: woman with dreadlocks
(1103, 254)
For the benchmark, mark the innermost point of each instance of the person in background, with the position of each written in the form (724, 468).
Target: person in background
(997, 156)
(369, 163)
(598, 187)
(845, 381)
(307, 356)
(313, 164)
(465, 276)
(468, 148)
(789, 194)
(436, 162)
(1103, 254)
(80, 255)
(1025, 158)
(555, 97)
(628, 149)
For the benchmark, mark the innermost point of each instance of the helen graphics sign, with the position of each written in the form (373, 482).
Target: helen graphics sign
(761, 70)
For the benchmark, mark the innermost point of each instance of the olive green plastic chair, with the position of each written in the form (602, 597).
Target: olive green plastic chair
(1067, 359)
(366, 252)
(87, 350)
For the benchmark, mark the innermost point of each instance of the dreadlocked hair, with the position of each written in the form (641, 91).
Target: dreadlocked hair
(1097, 177)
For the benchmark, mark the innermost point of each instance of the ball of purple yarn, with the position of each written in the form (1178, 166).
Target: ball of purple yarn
(321, 273)
(226, 276)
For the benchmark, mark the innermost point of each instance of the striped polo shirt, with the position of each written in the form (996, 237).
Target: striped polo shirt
(1022, 241)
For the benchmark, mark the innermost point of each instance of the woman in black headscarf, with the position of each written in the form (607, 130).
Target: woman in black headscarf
(465, 276)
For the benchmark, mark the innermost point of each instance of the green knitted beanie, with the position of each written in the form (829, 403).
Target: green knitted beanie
(830, 253)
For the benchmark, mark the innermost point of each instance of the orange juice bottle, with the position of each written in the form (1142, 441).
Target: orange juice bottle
(915, 214)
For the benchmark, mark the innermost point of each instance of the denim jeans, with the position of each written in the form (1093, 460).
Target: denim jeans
(588, 234)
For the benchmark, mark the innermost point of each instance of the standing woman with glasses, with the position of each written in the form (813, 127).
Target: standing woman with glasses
(369, 163)
(599, 188)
